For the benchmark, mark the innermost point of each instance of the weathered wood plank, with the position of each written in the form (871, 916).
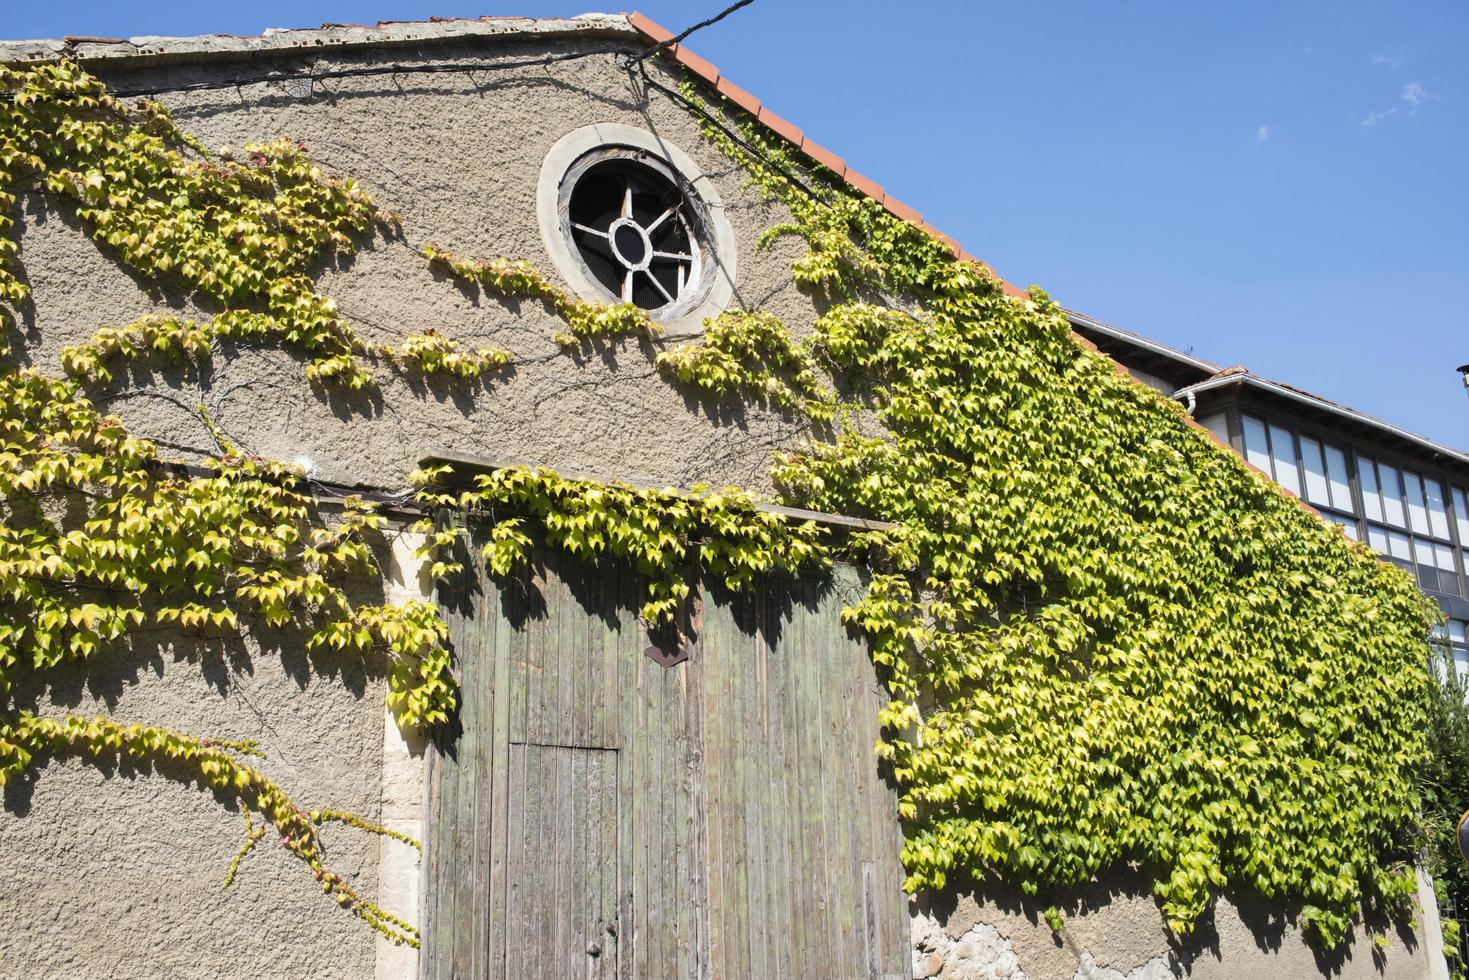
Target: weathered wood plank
(734, 815)
(467, 752)
(696, 902)
(790, 796)
(516, 922)
(725, 817)
(714, 654)
(625, 646)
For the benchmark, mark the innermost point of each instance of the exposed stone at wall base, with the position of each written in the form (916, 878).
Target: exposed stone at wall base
(1115, 931)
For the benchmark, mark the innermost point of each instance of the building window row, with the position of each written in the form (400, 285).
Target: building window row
(1408, 517)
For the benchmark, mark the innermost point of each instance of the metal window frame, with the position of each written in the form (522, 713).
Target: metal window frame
(1355, 454)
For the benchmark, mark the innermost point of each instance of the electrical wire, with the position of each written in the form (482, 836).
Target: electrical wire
(638, 61)
(314, 75)
(665, 45)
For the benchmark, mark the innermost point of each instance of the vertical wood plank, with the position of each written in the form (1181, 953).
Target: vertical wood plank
(464, 818)
(481, 678)
(787, 797)
(714, 654)
(625, 643)
(517, 919)
(725, 817)
(739, 909)
(697, 901)
(507, 665)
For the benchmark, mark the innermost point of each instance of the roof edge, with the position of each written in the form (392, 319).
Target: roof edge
(1238, 377)
(150, 50)
(1138, 340)
(792, 134)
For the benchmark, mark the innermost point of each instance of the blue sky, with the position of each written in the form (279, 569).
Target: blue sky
(1281, 185)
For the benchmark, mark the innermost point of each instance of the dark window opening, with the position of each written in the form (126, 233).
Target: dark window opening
(633, 228)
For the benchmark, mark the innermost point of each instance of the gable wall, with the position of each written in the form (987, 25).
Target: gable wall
(120, 871)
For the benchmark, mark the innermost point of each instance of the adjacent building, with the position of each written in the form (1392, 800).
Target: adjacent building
(1404, 495)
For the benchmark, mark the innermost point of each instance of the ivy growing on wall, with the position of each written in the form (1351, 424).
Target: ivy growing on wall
(101, 537)
(1106, 639)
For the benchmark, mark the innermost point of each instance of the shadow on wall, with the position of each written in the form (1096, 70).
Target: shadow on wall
(1114, 930)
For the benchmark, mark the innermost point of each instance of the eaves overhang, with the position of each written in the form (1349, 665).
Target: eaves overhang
(1366, 424)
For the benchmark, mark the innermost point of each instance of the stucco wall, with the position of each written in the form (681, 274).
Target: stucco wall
(459, 161)
(117, 874)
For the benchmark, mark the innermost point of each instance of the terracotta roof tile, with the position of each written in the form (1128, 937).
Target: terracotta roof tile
(780, 126)
(695, 64)
(653, 31)
(866, 185)
(900, 210)
(823, 156)
(738, 96)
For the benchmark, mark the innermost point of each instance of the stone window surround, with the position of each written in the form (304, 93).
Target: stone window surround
(721, 263)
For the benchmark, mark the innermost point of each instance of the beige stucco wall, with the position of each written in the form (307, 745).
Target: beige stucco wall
(116, 874)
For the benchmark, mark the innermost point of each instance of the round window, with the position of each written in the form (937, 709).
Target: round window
(628, 217)
(637, 230)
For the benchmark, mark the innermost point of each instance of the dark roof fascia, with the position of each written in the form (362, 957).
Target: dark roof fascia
(1136, 351)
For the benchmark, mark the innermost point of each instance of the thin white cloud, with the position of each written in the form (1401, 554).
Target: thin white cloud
(1413, 95)
(1377, 116)
(1262, 134)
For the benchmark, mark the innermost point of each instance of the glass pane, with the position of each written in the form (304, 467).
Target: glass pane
(1450, 583)
(1443, 557)
(1257, 449)
(1336, 472)
(1283, 453)
(1424, 552)
(1438, 512)
(1218, 425)
(1377, 538)
(1461, 662)
(1461, 516)
(1315, 469)
(1398, 546)
(1457, 632)
(1371, 500)
(1417, 513)
(1392, 495)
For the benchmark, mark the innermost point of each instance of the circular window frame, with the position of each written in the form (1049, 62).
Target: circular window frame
(582, 149)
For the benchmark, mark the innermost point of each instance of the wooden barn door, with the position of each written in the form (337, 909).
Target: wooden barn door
(598, 814)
